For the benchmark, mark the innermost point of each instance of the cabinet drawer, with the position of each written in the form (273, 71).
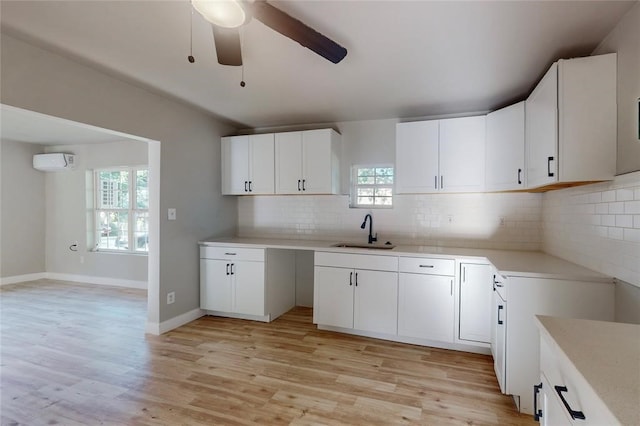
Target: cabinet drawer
(578, 394)
(426, 265)
(232, 253)
(357, 261)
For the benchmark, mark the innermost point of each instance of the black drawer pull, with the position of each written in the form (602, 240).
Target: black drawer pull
(519, 177)
(573, 413)
(426, 266)
(350, 278)
(229, 254)
(537, 413)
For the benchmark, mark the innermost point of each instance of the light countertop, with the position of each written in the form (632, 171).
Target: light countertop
(607, 355)
(507, 262)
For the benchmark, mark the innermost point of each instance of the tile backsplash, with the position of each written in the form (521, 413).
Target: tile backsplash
(500, 221)
(597, 226)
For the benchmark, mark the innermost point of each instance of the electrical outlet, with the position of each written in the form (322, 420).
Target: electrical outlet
(171, 297)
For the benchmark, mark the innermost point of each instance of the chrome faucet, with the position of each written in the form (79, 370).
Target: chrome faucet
(372, 237)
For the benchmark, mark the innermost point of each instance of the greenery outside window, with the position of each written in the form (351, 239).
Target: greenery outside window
(121, 214)
(372, 186)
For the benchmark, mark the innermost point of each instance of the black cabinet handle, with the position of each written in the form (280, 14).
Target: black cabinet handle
(350, 278)
(231, 268)
(245, 186)
(227, 269)
(435, 182)
(500, 307)
(298, 184)
(573, 413)
(549, 172)
(250, 190)
(426, 266)
(441, 182)
(519, 177)
(537, 413)
(304, 181)
(356, 279)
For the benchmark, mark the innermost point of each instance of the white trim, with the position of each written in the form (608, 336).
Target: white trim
(22, 278)
(261, 318)
(116, 282)
(479, 348)
(173, 323)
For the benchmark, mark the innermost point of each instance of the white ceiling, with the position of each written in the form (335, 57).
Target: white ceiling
(405, 58)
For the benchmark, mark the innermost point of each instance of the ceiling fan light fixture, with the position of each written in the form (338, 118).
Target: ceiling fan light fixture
(223, 13)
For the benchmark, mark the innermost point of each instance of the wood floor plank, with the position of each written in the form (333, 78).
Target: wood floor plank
(76, 354)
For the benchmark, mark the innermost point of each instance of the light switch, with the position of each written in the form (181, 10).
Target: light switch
(171, 214)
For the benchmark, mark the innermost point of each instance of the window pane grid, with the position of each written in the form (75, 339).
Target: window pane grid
(372, 186)
(121, 210)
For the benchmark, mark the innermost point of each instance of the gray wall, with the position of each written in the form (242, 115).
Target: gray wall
(22, 223)
(39, 80)
(625, 40)
(66, 212)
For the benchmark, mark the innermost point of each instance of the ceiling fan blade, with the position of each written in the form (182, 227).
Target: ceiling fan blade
(297, 31)
(227, 42)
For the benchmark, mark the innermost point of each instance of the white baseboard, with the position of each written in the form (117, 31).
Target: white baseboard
(22, 278)
(173, 323)
(116, 282)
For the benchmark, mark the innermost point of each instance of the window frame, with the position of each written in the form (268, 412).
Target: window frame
(353, 199)
(132, 211)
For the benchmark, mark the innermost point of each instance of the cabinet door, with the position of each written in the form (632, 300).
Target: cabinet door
(235, 165)
(498, 339)
(462, 151)
(215, 285)
(248, 287)
(376, 301)
(476, 292)
(333, 296)
(316, 162)
(553, 413)
(504, 165)
(262, 164)
(417, 157)
(425, 307)
(288, 162)
(542, 131)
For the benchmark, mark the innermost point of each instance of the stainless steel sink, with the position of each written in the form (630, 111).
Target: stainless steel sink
(376, 246)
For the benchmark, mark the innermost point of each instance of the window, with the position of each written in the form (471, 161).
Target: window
(372, 186)
(122, 209)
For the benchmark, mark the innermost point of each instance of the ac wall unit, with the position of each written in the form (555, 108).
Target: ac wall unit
(54, 162)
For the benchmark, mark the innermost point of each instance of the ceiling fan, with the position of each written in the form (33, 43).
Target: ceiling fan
(227, 16)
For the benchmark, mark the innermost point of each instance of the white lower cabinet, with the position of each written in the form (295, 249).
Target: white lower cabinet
(565, 397)
(233, 286)
(426, 300)
(248, 283)
(476, 298)
(354, 297)
(531, 296)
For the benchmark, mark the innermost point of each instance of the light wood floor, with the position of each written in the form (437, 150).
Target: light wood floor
(77, 354)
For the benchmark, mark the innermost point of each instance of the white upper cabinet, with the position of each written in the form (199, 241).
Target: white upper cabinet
(505, 153)
(571, 123)
(440, 155)
(462, 154)
(307, 162)
(248, 164)
(417, 156)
